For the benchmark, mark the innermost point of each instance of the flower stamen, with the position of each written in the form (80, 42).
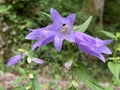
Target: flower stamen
(65, 29)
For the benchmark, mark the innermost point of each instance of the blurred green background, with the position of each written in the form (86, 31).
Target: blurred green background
(16, 16)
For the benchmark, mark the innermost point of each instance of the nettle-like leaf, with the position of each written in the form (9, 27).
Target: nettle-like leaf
(81, 72)
(109, 34)
(84, 26)
(114, 68)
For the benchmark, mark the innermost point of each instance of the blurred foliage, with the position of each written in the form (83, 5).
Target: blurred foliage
(112, 15)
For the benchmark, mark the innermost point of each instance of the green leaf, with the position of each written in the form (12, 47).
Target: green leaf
(36, 83)
(84, 26)
(82, 73)
(109, 34)
(114, 68)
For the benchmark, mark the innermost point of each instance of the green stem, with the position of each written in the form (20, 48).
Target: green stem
(32, 79)
(115, 50)
(33, 86)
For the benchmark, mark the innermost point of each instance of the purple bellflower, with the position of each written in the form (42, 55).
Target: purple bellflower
(92, 46)
(63, 28)
(60, 29)
(42, 36)
(15, 59)
(38, 61)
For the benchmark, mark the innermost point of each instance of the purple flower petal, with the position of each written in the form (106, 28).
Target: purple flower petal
(38, 61)
(105, 50)
(70, 19)
(101, 57)
(70, 37)
(48, 40)
(13, 60)
(41, 33)
(33, 36)
(102, 42)
(43, 36)
(107, 41)
(58, 43)
(88, 49)
(56, 17)
(36, 44)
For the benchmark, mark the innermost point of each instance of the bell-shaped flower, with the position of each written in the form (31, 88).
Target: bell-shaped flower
(15, 59)
(58, 31)
(92, 46)
(37, 60)
(42, 36)
(63, 28)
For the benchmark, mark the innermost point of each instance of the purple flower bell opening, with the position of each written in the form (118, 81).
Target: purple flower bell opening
(63, 28)
(58, 31)
(92, 46)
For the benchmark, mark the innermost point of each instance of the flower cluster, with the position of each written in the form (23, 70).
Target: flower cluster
(62, 29)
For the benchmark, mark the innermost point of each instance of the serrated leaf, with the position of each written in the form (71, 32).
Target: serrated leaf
(82, 73)
(84, 26)
(114, 68)
(109, 34)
